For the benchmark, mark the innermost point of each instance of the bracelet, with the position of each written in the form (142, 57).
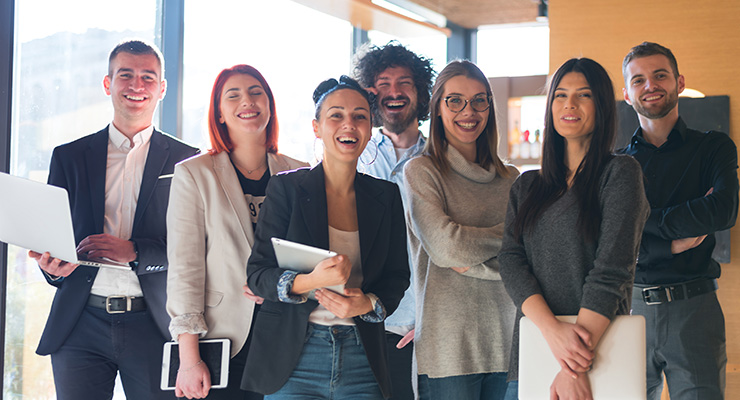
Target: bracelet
(187, 370)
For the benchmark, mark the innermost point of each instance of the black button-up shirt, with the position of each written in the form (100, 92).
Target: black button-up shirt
(678, 176)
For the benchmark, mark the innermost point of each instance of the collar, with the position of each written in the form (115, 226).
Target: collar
(676, 136)
(469, 170)
(120, 140)
(382, 139)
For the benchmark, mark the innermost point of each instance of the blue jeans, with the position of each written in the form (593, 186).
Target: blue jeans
(512, 391)
(333, 365)
(490, 386)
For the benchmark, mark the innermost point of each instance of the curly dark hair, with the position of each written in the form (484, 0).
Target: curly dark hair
(371, 60)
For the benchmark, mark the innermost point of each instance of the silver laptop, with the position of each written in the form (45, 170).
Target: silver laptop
(619, 367)
(36, 216)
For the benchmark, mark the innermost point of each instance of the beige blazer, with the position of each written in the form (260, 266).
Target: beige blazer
(209, 239)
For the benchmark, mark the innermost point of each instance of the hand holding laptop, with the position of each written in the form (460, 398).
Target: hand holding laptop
(35, 204)
(566, 387)
(52, 266)
(107, 246)
(570, 344)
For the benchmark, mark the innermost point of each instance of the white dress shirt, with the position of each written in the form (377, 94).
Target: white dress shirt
(123, 175)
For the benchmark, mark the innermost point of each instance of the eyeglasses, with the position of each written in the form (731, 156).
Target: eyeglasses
(458, 103)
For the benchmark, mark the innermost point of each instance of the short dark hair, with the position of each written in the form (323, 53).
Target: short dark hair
(137, 47)
(372, 60)
(646, 49)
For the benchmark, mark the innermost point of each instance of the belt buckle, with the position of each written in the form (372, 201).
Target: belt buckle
(107, 304)
(646, 295)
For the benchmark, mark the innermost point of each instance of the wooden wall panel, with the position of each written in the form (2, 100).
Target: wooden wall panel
(705, 37)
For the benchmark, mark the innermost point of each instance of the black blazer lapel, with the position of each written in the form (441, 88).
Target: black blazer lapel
(96, 157)
(312, 199)
(155, 161)
(370, 212)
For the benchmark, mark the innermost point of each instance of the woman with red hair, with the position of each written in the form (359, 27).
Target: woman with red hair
(214, 205)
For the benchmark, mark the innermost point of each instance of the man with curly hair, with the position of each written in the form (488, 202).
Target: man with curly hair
(401, 81)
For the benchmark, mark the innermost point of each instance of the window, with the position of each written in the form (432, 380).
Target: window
(293, 46)
(61, 58)
(432, 46)
(514, 50)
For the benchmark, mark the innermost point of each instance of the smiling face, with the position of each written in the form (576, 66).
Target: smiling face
(396, 101)
(135, 87)
(244, 106)
(573, 109)
(343, 125)
(463, 128)
(652, 88)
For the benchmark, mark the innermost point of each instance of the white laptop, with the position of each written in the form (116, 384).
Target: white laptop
(618, 370)
(36, 216)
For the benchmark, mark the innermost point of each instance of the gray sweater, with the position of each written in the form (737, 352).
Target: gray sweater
(464, 321)
(569, 272)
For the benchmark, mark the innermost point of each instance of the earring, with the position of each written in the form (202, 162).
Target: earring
(315, 156)
(375, 156)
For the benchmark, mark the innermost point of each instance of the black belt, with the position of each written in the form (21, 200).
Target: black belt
(117, 304)
(679, 291)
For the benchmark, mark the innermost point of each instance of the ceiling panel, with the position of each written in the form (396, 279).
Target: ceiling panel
(474, 13)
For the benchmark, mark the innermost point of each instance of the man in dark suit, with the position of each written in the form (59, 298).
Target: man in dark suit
(104, 321)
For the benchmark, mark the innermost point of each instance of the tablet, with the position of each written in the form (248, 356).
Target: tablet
(215, 353)
(302, 258)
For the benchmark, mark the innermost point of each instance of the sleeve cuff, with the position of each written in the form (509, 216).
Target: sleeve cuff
(52, 278)
(188, 323)
(378, 314)
(135, 263)
(285, 285)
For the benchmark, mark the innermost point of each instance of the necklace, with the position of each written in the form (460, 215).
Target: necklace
(249, 172)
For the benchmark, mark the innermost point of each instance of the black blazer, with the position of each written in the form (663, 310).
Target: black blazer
(295, 209)
(80, 168)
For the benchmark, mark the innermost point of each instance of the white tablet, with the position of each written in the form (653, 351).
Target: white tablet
(215, 353)
(302, 258)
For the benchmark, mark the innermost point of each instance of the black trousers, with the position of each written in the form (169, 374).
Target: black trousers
(400, 367)
(102, 345)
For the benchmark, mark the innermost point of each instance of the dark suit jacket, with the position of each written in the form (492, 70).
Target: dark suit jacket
(295, 209)
(80, 168)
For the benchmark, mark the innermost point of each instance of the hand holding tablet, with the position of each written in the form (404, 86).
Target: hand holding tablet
(303, 258)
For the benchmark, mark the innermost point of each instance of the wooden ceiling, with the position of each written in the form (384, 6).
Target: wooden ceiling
(474, 13)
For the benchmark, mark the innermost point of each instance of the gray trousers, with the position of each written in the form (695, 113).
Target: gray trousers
(686, 341)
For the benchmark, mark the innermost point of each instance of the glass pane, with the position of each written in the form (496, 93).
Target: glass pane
(61, 58)
(293, 46)
(432, 46)
(514, 50)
